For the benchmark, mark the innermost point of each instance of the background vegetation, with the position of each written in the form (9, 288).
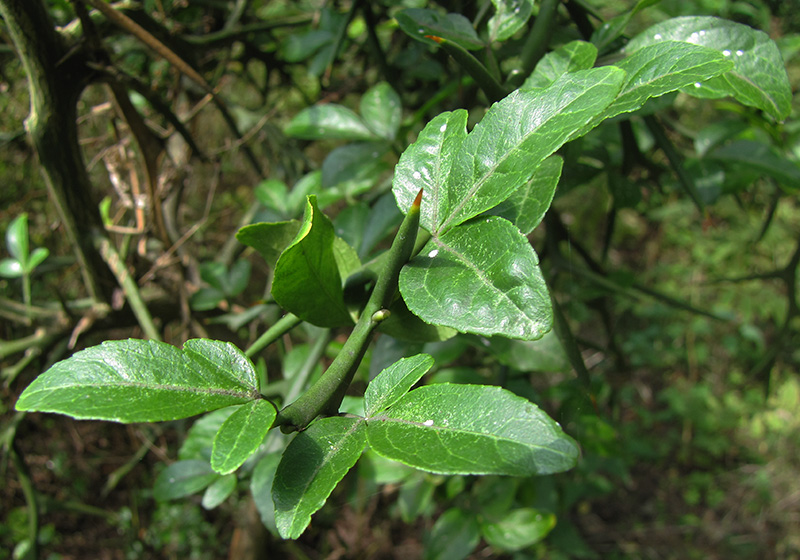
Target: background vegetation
(685, 318)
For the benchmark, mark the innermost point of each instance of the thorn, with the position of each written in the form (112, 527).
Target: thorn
(435, 38)
(417, 201)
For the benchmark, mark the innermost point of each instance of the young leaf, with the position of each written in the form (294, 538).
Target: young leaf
(495, 159)
(481, 277)
(574, 56)
(471, 429)
(183, 478)
(330, 122)
(419, 23)
(526, 207)
(312, 465)
(144, 381)
(509, 18)
(241, 434)
(307, 281)
(394, 382)
(381, 110)
(17, 239)
(758, 78)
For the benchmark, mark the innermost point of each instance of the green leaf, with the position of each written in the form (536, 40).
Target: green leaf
(312, 465)
(270, 239)
(526, 206)
(241, 434)
(453, 537)
(382, 111)
(762, 158)
(394, 382)
(418, 23)
(543, 355)
(300, 46)
(261, 489)
(661, 68)
(495, 159)
(37, 257)
(272, 194)
(219, 491)
(237, 278)
(510, 16)
(144, 381)
(354, 168)
(611, 30)
(574, 56)
(471, 429)
(329, 122)
(199, 441)
(306, 280)
(17, 239)
(183, 478)
(481, 277)
(404, 325)
(426, 164)
(11, 268)
(519, 529)
(206, 298)
(758, 78)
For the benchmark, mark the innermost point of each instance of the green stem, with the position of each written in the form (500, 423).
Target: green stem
(30, 500)
(537, 41)
(490, 86)
(129, 287)
(674, 159)
(327, 393)
(280, 328)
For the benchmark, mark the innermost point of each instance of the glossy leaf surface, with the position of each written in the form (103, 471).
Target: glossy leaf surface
(503, 150)
(471, 429)
(509, 17)
(394, 382)
(481, 277)
(154, 380)
(312, 465)
(758, 78)
(574, 56)
(526, 206)
(307, 281)
(241, 434)
(418, 23)
(661, 68)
